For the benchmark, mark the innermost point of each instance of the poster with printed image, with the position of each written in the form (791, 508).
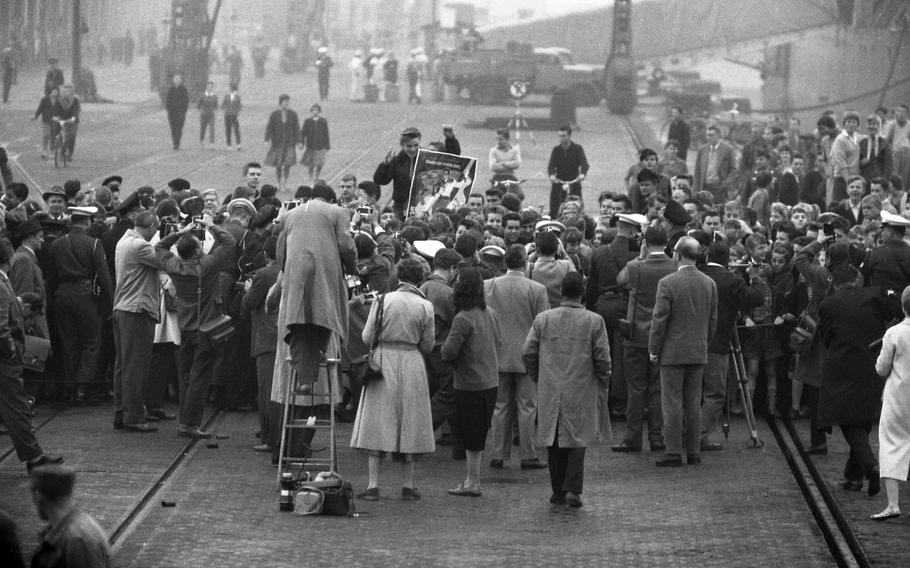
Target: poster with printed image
(440, 181)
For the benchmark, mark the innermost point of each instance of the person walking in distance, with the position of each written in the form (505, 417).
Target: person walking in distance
(682, 325)
(231, 105)
(567, 354)
(314, 135)
(282, 134)
(176, 103)
(324, 66)
(207, 105)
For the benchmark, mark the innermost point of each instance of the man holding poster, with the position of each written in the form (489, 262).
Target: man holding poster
(440, 181)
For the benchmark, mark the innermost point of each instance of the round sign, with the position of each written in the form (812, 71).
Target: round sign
(518, 89)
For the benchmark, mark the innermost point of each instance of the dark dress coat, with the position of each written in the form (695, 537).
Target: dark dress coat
(283, 137)
(850, 319)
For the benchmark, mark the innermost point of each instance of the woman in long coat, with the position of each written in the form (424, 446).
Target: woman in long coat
(394, 412)
(282, 135)
(849, 320)
(894, 426)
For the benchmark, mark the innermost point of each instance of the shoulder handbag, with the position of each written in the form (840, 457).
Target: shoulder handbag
(337, 495)
(216, 331)
(35, 353)
(374, 369)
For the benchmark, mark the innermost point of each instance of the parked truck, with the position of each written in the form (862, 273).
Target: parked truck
(487, 73)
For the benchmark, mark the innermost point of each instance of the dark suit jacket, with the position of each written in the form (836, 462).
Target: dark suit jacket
(733, 295)
(264, 327)
(604, 294)
(684, 318)
(315, 134)
(881, 164)
(726, 160)
(843, 209)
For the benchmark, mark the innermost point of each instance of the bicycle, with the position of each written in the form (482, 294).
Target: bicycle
(509, 185)
(566, 186)
(64, 132)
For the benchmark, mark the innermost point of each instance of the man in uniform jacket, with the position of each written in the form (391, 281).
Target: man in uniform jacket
(81, 290)
(734, 294)
(888, 266)
(683, 323)
(606, 296)
(176, 103)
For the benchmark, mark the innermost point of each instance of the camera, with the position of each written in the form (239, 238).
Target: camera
(828, 229)
(365, 211)
(171, 227)
(198, 229)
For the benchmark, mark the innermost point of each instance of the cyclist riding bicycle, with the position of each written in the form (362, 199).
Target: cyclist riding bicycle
(67, 109)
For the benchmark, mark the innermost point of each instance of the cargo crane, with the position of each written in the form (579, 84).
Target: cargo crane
(187, 50)
(620, 77)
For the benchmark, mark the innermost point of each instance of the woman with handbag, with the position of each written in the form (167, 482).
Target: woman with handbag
(394, 412)
(473, 347)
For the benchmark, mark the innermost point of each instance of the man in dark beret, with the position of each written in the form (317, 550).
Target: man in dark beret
(676, 218)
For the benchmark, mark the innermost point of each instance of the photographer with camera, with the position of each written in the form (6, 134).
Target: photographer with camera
(610, 299)
(195, 276)
(641, 275)
(734, 294)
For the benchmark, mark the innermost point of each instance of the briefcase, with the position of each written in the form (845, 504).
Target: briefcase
(218, 330)
(35, 354)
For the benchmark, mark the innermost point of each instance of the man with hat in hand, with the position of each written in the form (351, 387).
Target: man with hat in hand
(81, 292)
(14, 410)
(25, 273)
(136, 311)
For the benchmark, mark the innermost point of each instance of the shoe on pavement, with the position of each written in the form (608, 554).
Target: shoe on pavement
(496, 464)
(625, 447)
(557, 498)
(192, 432)
(888, 513)
(371, 494)
(140, 427)
(161, 414)
(852, 485)
(461, 491)
(533, 464)
(670, 460)
(708, 446)
(409, 494)
(41, 460)
(818, 450)
(573, 500)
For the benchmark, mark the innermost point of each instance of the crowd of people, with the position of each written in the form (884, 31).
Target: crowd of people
(489, 320)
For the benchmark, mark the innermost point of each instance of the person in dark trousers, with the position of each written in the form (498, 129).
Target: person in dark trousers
(314, 135)
(231, 105)
(195, 276)
(396, 168)
(569, 376)
(8, 69)
(14, 409)
(177, 103)
(207, 105)
(567, 163)
(282, 134)
(324, 66)
(80, 289)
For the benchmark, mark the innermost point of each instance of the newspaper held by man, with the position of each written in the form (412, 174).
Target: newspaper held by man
(440, 181)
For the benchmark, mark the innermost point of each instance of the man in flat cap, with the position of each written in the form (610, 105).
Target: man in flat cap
(56, 199)
(14, 410)
(72, 537)
(25, 273)
(81, 292)
(397, 169)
